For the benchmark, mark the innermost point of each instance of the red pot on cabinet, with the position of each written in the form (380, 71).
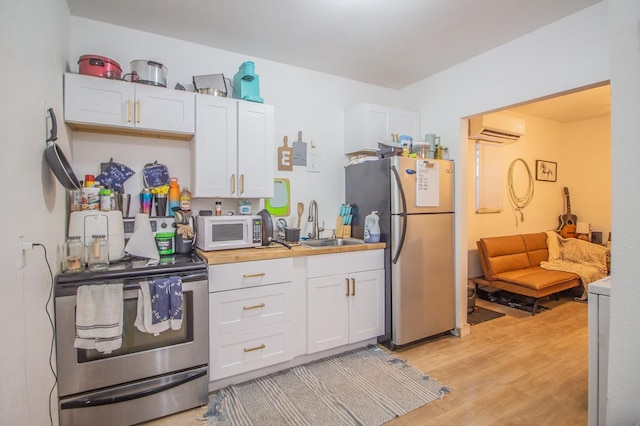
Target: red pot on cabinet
(99, 66)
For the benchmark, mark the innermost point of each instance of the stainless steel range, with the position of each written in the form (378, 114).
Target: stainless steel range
(149, 376)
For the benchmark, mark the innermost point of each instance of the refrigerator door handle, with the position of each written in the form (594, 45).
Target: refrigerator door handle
(403, 214)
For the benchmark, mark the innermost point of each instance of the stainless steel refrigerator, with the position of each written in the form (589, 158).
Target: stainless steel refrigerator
(414, 199)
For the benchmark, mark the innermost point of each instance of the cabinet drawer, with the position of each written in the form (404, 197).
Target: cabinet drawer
(233, 276)
(244, 351)
(344, 263)
(238, 310)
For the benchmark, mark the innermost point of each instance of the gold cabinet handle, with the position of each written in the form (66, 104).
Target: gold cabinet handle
(259, 274)
(347, 280)
(248, 308)
(242, 184)
(138, 111)
(353, 286)
(129, 110)
(257, 348)
(233, 183)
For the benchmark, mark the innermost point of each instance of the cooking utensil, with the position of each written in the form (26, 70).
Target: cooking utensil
(99, 66)
(285, 154)
(300, 211)
(215, 82)
(56, 158)
(292, 235)
(299, 151)
(278, 205)
(267, 230)
(212, 92)
(149, 72)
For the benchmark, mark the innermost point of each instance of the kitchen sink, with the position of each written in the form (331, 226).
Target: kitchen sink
(331, 242)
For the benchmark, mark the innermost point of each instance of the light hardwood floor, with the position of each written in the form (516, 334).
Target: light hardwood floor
(513, 370)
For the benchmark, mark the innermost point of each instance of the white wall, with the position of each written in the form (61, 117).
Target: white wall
(565, 55)
(586, 159)
(624, 346)
(304, 100)
(34, 38)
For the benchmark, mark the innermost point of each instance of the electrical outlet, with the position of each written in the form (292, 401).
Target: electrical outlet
(22, 258)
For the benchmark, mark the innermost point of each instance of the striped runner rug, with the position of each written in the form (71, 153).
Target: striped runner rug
(363, 387)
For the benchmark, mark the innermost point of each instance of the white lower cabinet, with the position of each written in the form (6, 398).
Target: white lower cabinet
(279, 311)
(345, 307)
(251, 320)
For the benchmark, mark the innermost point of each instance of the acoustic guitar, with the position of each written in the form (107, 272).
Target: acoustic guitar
(568, 221)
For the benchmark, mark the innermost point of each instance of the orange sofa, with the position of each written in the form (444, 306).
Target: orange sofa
(512, 263)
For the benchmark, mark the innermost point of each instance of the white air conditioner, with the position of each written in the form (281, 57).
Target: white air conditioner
(496, 127)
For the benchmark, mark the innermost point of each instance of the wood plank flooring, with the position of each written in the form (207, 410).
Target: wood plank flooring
(513, 370)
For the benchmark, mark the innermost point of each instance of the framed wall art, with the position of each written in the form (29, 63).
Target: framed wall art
(546, 170)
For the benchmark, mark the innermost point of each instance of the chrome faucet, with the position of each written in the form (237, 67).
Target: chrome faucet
(313, 217)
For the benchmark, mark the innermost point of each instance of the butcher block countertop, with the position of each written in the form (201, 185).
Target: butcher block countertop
(277, 251)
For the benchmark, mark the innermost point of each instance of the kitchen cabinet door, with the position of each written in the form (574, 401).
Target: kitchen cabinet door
(366, 305)
(94, 100)
(365, 125)
(214, 150)
(403, 122)
(328, 312)
(256, 157)
(164, 109)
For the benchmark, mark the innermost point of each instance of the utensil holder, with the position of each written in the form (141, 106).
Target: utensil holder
(123, 201)
(292, 235)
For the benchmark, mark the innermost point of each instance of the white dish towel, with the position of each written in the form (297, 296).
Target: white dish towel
(99, 317)
(159, 305)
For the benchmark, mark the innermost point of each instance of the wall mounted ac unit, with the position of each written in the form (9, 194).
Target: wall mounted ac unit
(496, 127)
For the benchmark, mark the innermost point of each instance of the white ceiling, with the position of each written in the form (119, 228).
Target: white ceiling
(383, 42)
(387, 43)
(576, 106)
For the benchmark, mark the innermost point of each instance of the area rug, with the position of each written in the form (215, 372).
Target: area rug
(367, 386)
(480, 315)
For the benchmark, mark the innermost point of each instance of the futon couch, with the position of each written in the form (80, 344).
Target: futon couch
(512, 263)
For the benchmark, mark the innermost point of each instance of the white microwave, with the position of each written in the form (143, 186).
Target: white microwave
(228, 232)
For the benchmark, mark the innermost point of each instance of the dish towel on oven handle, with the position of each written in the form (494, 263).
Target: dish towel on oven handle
(159, 305)
(99, 310)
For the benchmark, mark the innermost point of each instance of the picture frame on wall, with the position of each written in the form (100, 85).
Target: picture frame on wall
(546, 170)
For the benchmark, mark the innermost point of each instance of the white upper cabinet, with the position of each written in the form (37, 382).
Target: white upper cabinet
(366, 124)
(233, 148)
(123, 107)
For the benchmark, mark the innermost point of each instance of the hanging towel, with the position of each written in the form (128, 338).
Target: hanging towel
(159, 305)
(99, 311)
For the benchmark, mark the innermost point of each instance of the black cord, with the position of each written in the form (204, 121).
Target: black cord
(53, 331)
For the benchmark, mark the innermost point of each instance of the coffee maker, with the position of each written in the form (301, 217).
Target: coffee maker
(246, 83)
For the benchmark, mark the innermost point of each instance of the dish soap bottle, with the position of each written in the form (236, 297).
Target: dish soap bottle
(174, 194)
(372, 228)
(185, 200)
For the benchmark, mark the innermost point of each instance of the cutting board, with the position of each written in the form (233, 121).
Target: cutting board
(285, 156)
(299, 151)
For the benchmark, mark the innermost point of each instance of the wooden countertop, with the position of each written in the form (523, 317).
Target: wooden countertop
(277, 251)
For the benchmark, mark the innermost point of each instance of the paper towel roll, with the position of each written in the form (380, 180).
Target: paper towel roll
(142, 243)
(142, 222)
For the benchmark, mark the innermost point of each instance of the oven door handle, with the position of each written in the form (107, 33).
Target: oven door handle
(133, 391)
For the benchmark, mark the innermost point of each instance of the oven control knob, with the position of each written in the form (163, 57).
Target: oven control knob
(163, 225)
